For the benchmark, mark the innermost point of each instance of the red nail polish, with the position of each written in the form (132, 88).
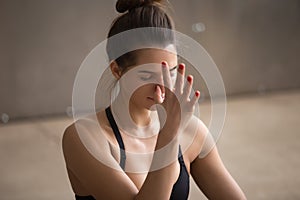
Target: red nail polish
(197, 93)
(181, 66)
(164, 63)
(189, 79)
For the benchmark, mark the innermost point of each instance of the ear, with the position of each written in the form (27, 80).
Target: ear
(115, 69)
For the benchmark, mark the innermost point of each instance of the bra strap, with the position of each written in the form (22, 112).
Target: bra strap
(117, 133)
(180, 156)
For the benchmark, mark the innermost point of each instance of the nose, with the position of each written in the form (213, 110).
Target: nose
(161, 84)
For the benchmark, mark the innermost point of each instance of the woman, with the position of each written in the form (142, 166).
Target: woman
(166, 174)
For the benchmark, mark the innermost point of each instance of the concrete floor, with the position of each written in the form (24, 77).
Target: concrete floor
(260, 146)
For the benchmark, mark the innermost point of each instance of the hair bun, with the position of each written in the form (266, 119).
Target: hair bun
(124, 5)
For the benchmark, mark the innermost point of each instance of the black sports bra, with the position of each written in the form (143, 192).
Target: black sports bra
(180, 189)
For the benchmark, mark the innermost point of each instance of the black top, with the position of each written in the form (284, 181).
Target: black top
(180, 189)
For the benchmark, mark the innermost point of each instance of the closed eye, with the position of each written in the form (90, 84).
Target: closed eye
(146, 77)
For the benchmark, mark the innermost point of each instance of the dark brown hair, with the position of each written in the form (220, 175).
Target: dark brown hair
(140, 14)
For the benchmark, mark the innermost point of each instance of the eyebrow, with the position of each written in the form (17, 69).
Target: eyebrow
(149, 72)
(144, 71)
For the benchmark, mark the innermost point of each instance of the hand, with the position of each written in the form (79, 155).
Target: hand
(178, 107)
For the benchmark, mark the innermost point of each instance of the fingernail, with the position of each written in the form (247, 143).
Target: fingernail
(189, 78)
(181, 66)
(197, 93)
(164, 63)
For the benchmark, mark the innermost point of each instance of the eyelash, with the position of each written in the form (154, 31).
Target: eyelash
(146, 78)
(173, 74)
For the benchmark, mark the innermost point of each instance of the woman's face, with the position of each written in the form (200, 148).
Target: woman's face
(139, 82)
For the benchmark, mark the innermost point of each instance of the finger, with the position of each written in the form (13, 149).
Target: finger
(188, 87)
(158, 95)
(195, 98)
(166, 75)
(180, 79)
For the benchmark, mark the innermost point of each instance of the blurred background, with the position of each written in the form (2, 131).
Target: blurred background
(255, 44)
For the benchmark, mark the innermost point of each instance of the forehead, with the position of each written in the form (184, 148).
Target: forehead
(156, 56)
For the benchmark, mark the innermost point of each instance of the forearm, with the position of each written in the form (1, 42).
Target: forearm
(164, 169)
(159, 183)
(213, 178)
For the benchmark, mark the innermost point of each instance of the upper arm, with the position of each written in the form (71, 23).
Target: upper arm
(213, 179)
(101, 180)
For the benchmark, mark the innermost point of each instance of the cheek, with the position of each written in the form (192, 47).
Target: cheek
(144, 91)
(133, 84)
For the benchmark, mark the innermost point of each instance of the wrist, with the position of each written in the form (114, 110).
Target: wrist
(166, 153)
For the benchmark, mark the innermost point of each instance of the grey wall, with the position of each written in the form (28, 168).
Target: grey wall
(43, 44)
(254, 43)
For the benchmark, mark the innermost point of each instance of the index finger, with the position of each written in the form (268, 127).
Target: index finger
(166, 75)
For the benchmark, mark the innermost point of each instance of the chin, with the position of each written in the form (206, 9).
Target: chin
(152, 108)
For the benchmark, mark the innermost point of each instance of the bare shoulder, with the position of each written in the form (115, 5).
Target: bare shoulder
(71, 133)
(84, 137)
(87, 126)
(196, 132)
(71, 140)
(88, 159)
(69, 137)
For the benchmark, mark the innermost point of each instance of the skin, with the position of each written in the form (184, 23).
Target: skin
(88, 176)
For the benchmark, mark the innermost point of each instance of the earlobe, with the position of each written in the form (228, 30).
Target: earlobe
(115, 70)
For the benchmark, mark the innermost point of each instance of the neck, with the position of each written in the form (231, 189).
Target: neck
(140, 116)
(134, 120)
